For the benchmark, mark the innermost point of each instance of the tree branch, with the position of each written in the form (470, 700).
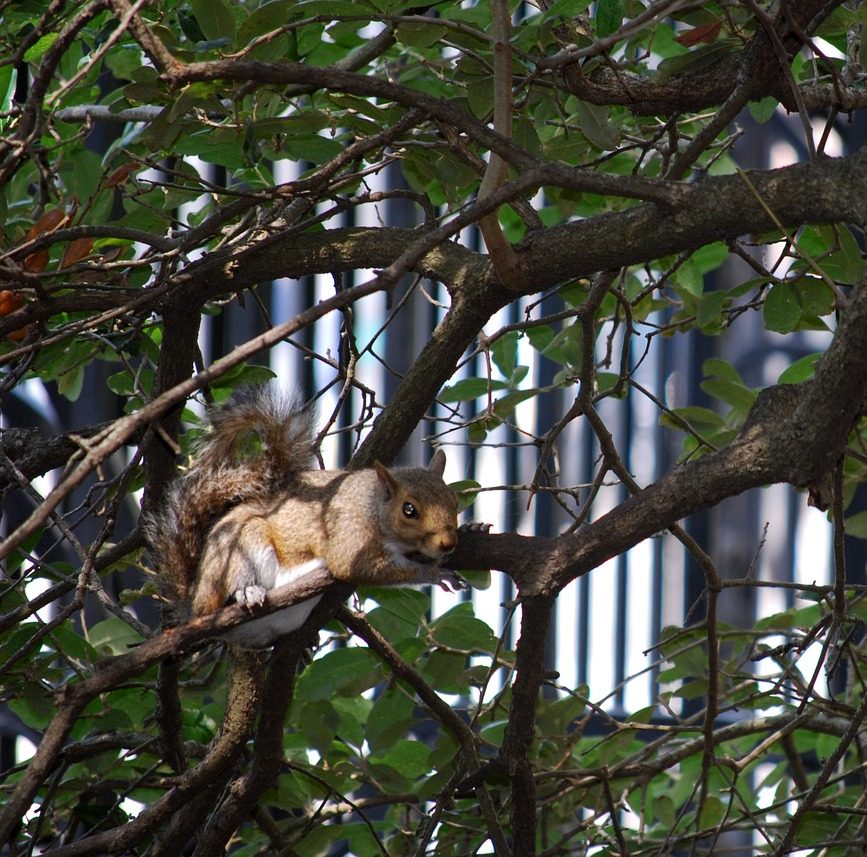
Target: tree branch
(794, 433)
(757, 64)
(72, 698)
(521, 728)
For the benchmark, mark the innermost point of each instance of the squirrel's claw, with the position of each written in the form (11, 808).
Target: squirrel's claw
(474, 527)
(451, 581)
(251, 596)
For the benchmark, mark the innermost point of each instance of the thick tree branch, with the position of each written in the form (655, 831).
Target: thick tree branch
(521, 729)
(245, 792)
(794, 434)
(717, 209)
(720, 208)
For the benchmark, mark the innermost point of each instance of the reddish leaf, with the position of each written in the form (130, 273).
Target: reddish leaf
(49, 221)
(121, 174)
(76, 251)
(36, 262)
(703, 33)
(10, 301)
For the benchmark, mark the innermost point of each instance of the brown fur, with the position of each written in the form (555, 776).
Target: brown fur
(251, 513)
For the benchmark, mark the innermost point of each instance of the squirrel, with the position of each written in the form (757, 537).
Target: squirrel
(252, 513)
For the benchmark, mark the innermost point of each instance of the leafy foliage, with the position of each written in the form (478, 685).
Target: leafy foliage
(160, 162)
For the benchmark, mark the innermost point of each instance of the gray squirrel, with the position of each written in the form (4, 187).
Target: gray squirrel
(253, 513)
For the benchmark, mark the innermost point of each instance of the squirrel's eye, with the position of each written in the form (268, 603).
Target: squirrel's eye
(409, 511)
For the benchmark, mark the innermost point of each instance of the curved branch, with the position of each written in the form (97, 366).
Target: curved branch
(794, 433)
(503, 257)
(719, 208)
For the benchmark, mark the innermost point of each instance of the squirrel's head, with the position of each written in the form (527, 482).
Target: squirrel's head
(422, 510)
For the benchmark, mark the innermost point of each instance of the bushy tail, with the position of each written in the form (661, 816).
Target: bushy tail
(257, 446)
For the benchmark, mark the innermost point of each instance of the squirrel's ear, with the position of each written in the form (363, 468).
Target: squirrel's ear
(438, 463)
(386, 478)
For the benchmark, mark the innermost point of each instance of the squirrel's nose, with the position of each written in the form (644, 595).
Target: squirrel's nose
(447, 541)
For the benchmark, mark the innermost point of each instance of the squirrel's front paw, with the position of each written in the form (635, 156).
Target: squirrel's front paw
(474, 527)
(451, 581)
(251, 596)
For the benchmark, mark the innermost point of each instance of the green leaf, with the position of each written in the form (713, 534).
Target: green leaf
(856, 525)
(318, 721)
(460, 629)
(574, 293)
(421, 35)
(353, 712)
(558, 718)
(800, 370)
(665, 810)
(689, 281)
(400, 613)
(161, 133)
(37, 50)
(71, 382)
(740, 398)
(35, 706)
(845, 265)
(596, 126)
(701, 419)
(446, 671)
(606, 381)
(344, 671)
(540, 337)
(781, 310)
(8, 82)
(202, 95)
(124, 62)
(710, 257)
(73, 645)
(712, 812)
(815, 296)
(568, 9)
(313, 147)
(609, 14)
(391, 718)
(410, 758)
(470, 388)
(293, 790)
(710, 308)
(113, 636)
(763, 110)
(505, 405)
(719, 368)
(504, 353)
(565, 348)
(215, 18)
(410, 605)
(803, 617)
(363, 839)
